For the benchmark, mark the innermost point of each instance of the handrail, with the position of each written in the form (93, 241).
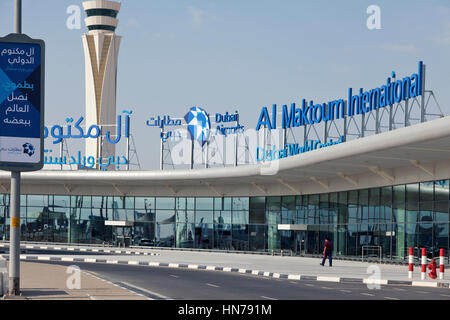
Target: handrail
(378, 248)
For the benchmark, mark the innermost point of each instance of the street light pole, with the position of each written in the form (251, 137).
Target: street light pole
(14, 231)
(18, 16)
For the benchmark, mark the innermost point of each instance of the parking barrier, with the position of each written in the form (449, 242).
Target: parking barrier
(411, 263)
(424, 263)
(441, 263)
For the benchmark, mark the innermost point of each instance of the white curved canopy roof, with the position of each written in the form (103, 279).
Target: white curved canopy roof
(412, 154)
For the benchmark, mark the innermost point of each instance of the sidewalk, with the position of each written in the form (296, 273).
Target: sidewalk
(48, 282)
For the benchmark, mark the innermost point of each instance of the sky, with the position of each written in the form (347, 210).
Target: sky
(238, 55)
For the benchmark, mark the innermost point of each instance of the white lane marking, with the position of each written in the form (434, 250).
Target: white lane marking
(173, 276)
(67, 259)
(113, 284)
(212, 285)
(398, 289)
(293, 282)
(309, 285)
(424, 284)
(346, 291)
(147, 291)
(44, 258)
(389, 298)
(422, 292)
(368, 294)
(329, 279)
(268, 298)
(445, 295)
(326, 288)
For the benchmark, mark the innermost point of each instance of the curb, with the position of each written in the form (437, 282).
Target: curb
(274, 275)
(78, 249)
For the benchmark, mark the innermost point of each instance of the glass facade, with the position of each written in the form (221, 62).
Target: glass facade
(102, 27)
(391, 218)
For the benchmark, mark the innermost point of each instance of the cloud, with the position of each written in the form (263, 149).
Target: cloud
(400, 48)
(197, 16)
(341, 68)
(133, 23)
(444, 37)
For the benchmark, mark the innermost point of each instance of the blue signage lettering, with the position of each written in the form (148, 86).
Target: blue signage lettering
(291, 150)
(394, 91)
(57, 131)
(85, 162)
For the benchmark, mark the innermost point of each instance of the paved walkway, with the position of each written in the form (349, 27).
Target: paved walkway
(49, 282)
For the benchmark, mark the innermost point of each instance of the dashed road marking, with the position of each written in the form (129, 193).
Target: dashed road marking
(212, 285)
(346, 291)
(367, 294)
(390, 298)
(268, 298)
(173, 276)
(309, 285)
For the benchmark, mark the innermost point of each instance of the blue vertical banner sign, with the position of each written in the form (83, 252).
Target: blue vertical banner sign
(22, 77)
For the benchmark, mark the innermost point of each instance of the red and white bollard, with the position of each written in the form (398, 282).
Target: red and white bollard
(411, 263)
(424, 263)
(441, 263)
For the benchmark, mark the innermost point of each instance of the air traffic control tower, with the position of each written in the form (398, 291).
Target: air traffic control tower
(101, 50)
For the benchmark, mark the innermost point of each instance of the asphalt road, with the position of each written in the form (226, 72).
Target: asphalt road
(169, 283)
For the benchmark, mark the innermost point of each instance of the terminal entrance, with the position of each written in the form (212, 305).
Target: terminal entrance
(122, 233)
(305, 239)
(122, 236)
(307, 242)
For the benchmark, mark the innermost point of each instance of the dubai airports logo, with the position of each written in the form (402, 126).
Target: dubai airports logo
(199, 126)
(28, 149)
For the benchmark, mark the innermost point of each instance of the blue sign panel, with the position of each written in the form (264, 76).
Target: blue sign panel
(21, 103)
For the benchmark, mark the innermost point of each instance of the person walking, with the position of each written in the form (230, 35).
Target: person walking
(327, 252)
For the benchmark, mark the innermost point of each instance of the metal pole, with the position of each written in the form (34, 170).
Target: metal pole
(161, 150)
(236, 151)
(17, 16)
(61, 153)
(128, 154)
(14, 231)
(14, 251)
(422, 101)
(192, 154)
(206, 156)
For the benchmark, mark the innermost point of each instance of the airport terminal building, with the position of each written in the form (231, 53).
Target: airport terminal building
(389, 191)
(371, 172)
